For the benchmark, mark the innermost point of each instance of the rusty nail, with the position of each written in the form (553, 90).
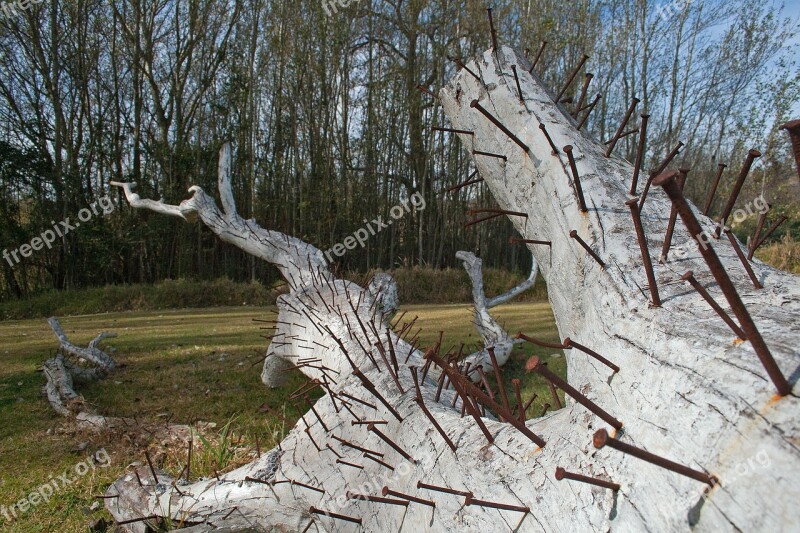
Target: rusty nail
(356, 446)
(367, 422)
(346, 463)
(301, 484)
(498, 375)
(451, 130)
(261, 481)
(582, 98)
(466, 403)
(425, 370)
(528, 404)
(421, 402)
(473, 212)
(375, 499)
(474, 104)
(713, 190)
(390, 442)
(549, 140)
(490, 154)
(516, 240)
(484, 381)
(759, 228)
(375, 459)
(359, 400)
(689, 276)
(494, 505)
(136, 520)
(544, 409)
(793, 128)
(563, 474)
(569, 343)
(491, 27)
(602, 438)
(745, 263)
(389, 492)
(460, 64)
(538, 57)
(770, 232)
(314, 510)
(150, 464)
(328, 446)
(371, 388)
(621, 128)
(626, 134)
(189, 456)
(308, 432)
(535, 365)
(633, 204)
(574, 235)
(572, 77)
(639, 151)
(589, 110)
(470, 181)
(440, 386)
(519, 87)
(661, 167)
(427, 91)
(737, 188)
(484, 219)
(311, 385)
(576, 178)
(667, 181)
(673, 217)
(518, 394)
(316, 414)
(554, 394)
(543, 344)
(446, 490)
(382, 353)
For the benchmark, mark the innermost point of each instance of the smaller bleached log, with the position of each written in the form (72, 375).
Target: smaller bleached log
(492, 333)
(91, 353)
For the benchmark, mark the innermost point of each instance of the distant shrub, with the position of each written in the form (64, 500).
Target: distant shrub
(784, 254)
(415, 286)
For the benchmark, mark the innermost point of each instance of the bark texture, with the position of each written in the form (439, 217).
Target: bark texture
(687, 390)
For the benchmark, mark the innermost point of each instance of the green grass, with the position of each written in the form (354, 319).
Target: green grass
(179, 366)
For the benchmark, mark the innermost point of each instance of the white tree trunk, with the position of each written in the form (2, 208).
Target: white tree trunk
(687, 389)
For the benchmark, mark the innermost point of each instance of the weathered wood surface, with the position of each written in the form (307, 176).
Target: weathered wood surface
(687, 389)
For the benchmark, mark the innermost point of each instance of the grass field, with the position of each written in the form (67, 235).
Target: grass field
(182, 366)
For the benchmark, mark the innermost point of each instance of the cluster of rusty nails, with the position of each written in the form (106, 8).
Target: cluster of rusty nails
(670, 186)
(469, 393)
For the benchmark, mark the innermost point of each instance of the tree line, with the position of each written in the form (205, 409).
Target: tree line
(328, 126)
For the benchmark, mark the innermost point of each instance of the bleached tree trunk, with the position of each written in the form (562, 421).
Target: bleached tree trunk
(61, 374)
(687, 389)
